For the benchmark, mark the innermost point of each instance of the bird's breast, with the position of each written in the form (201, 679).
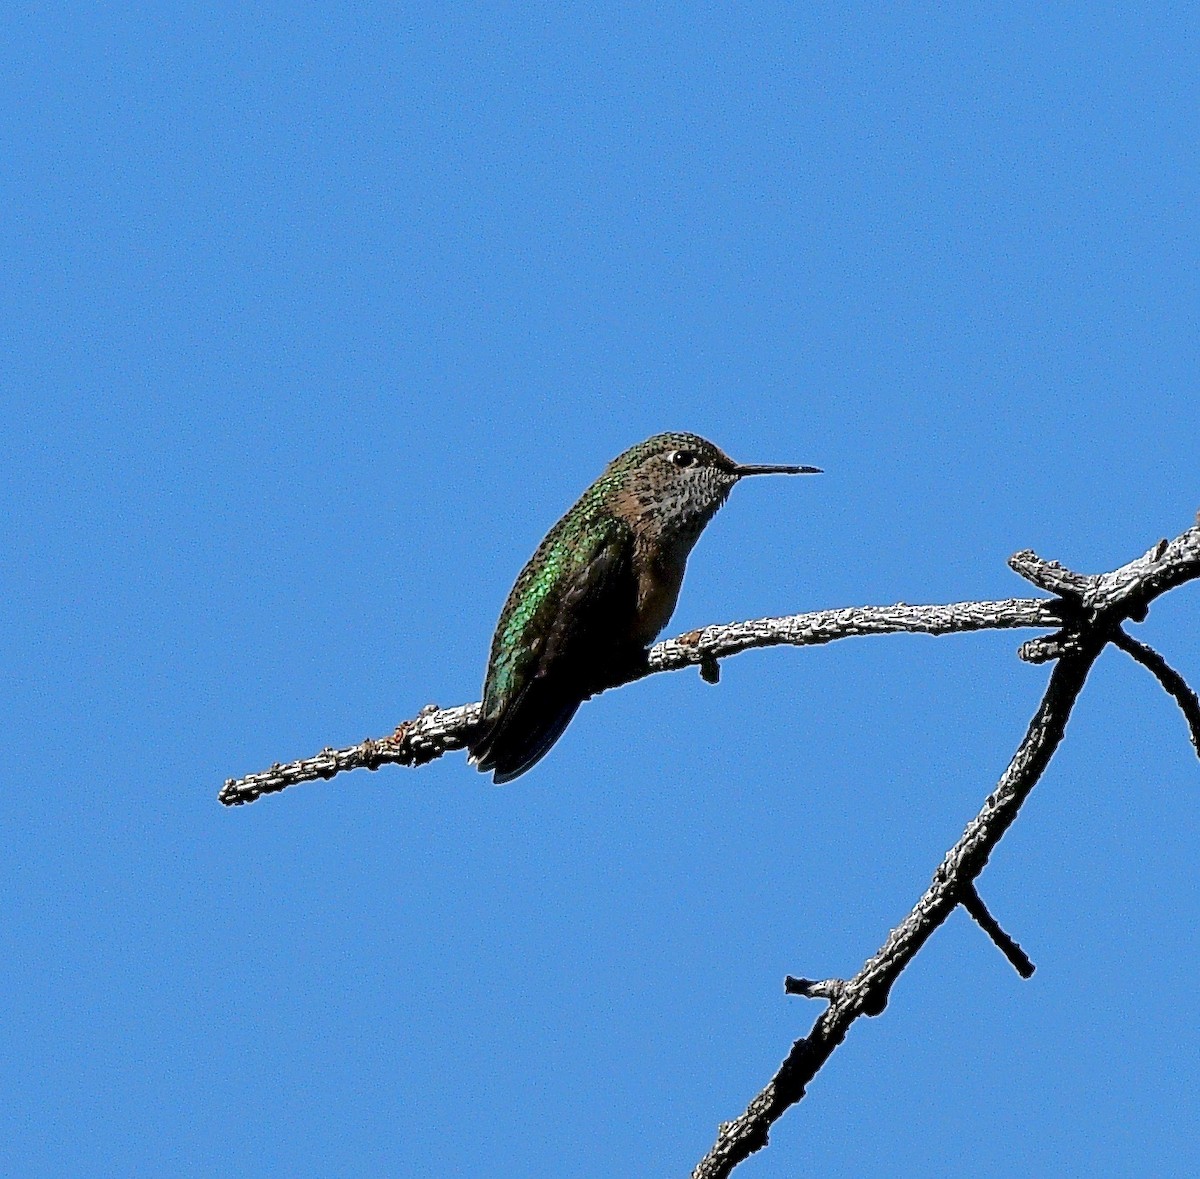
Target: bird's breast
(658, 582)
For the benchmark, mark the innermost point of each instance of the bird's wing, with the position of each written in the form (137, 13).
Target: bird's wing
(556, 646)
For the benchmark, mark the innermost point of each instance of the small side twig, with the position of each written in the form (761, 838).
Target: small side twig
(1049, 575)
(1019, 960)
(807, 988)
(1172, 682)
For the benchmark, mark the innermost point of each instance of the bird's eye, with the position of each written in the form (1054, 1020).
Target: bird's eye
(683, 458)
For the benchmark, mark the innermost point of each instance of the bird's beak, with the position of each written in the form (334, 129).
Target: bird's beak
(743, 469)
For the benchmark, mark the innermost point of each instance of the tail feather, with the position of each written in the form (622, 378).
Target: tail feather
(524, 731)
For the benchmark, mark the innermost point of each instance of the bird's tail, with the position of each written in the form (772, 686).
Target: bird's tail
(523, 732)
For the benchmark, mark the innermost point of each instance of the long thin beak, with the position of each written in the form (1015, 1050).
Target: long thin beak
(743, 469)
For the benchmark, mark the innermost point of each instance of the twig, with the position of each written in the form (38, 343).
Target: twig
(1048, 575)
(432, 732)
(826, 988)
(1173, 683)
(973, 903)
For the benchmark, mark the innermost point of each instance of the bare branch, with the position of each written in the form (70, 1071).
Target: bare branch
(436, 731)
(1099, 605)
(973, 903)
(1173, 683)
(867, 992)
(432, 732)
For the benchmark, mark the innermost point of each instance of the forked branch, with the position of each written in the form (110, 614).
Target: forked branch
(1095, 608)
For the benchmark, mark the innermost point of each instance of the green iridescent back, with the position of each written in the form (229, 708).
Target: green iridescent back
(586, 530)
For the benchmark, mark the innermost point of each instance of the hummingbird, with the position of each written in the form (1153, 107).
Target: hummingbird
(597, 592)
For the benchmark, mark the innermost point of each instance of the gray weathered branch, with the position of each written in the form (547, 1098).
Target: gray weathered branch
(1095, 608)
(435, 731)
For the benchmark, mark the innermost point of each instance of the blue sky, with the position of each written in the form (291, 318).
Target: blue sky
(315, 320)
